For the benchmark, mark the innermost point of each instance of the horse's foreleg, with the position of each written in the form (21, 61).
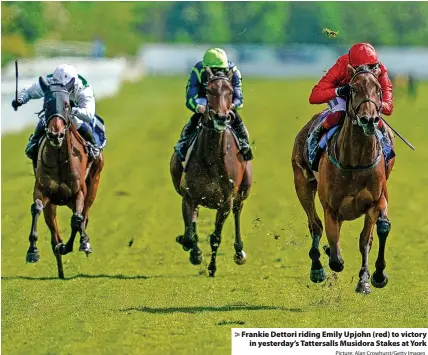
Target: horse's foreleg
(189, 240)
(33, 255)
(215, 239)
(240, 257)
(332, 230)
(366, 239)
(380, 278)
(57, 247)
(306, 190)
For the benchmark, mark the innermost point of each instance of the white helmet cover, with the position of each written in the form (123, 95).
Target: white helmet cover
(64, 73)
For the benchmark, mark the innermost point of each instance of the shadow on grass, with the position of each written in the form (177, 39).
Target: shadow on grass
(79, 276)
(226, 308)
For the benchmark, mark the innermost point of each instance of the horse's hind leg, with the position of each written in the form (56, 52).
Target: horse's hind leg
(92, 183)
(240, 257)
(366, 239)
(215, 239)
(77, 221)
(306, 190)
(380, 278)
(57, 247)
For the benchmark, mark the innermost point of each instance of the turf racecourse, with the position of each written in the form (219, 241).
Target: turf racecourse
(148, 298)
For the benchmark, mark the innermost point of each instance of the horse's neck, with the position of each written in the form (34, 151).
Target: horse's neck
(354, 147)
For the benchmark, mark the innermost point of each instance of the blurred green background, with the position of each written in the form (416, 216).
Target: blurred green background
(124, 26)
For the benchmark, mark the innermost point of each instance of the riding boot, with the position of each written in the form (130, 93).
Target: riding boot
(86, 132)
(188, 130)
(313, 144)
(241, 132)
(32, 147)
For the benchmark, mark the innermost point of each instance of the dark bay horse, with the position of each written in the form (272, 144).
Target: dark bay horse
(63, 176)
(351, 182)
(216, 177)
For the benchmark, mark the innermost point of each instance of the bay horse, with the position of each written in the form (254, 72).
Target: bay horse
(64, 177)
(351, 181)
(216, 176)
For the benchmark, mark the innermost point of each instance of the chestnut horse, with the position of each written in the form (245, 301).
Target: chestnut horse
(351, 182)
(216, 177)
(63, 176)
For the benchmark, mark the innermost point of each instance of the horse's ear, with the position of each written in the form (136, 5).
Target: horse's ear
(210, 72)
(351, 70)
(70, 85)
(43, 84)
(230, 74)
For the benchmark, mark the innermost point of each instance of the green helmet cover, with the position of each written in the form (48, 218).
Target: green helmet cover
(215, 58)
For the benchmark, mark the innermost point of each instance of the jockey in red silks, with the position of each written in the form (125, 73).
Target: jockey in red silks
(333, 88)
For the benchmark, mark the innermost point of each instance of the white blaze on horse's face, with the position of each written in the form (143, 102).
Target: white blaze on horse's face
(55, 138)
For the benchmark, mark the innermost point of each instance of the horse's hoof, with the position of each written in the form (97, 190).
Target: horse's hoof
(363, 287)
(379, 284)
(317, 276)
(86, 247)
(179, 240)
(33, 257)
(336, 266)
(195, 256)
(240, 258)
(211, 273)
(59, 249)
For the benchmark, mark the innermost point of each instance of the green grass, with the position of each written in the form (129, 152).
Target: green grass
(148, 298)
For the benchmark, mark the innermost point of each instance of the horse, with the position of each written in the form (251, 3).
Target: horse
(351, 181)
(63, 176)
(216, 176)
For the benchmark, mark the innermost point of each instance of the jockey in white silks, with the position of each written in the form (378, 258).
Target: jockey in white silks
(83, 107)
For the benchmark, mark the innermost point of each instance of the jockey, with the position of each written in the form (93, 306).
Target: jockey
(333, 88)
(196, 101)
(82, 102)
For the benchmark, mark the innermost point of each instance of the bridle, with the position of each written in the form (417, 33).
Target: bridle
(357, 121)
(210, 113)
(350, 108)
(65, 116)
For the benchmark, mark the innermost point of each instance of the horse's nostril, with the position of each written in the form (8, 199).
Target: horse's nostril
(364, 120)
(376, 119)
